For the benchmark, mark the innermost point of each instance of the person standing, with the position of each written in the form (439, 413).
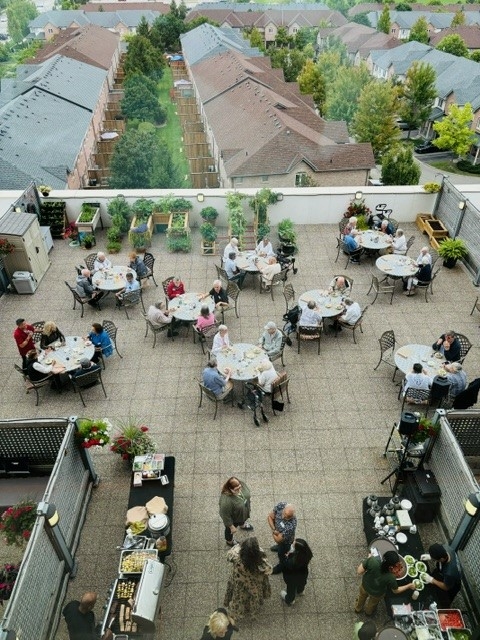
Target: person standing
(295, 570)
(23, 336)
(248, 585)
(234, 505)
(219, 626)
(283, 523)
(80, 619)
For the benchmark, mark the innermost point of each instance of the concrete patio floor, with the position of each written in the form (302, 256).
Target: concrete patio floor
(324, 453)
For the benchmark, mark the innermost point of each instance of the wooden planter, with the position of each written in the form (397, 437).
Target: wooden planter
(421, 220)
(435, 229)
(143, 238)
(160, 217)
(208, 248)
(174, 229)
(88, 227)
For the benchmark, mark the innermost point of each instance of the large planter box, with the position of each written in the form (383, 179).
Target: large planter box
(160, 218)
(143, 238)
(173, 229)
(209, 248)
(88, 227)
(435, 229)
(421, 220)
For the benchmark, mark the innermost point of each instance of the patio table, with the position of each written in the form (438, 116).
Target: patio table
(243, 359)
(395, 266)
(409, 354)
(328, 304)
(112, 279)
(69, 355)
(246, 261)
(373, 240)
(187, 306)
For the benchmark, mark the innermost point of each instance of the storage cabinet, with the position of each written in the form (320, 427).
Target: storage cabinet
(30, 254)
(54, 215)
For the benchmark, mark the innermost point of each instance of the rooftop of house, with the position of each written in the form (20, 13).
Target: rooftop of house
(470, 34)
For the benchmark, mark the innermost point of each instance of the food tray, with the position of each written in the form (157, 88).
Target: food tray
(450, 618)
(125, 588)
(133, 561)
(459, 634)
(137, 542)
(149, 462)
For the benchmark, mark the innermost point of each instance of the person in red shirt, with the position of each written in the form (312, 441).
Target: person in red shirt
(23, 336)
(175, 288)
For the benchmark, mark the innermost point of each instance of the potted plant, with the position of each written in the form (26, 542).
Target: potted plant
(93, 433)
(287, 236)
(88, 240)
(259, 203)
(209, 214)
(120, 212)
(209, 234)
(89, 217)
(141, 228)
(71, 234)
(44, 189)
(426, 429)
(236, 218)
(132, 439)
(8, 576)
(357, 207)
(6, 247)
(16, 523)
(451, 250)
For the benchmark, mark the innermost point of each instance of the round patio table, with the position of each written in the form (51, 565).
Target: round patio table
(243, 359)
(374, 240)
(395, 266)
(246, 261)
(328, 304)
(69, 355)
(187, 306)
(409, 354)
(112, 279)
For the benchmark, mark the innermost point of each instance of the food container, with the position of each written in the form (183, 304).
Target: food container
(459, 634)
(134, 542)
(159, 525)
(450, 618)
(133, 561)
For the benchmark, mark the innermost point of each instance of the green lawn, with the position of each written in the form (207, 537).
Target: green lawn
(171, 133)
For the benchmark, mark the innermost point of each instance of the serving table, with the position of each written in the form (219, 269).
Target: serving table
(68, 355)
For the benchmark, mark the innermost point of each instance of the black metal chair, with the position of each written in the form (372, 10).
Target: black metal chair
(351, 255)
(309, 334)
(88, 379)
(206, 336)
(277, 279)
(288, 294)
(347, 279)
(165, 284)
(38, 329)
(78, 298)
(157, 329)
(465, 346)
(90, 261)
(213, 398)
(410, 242)
(387, 350)
(354, 327)
(476, 305)
(149, 261)
(111, 328)
(131, 299)
(381, 287)
(279, 355)
(427, 285)
(222, 275)
(416, 397)
(34, 384)
(233, 291)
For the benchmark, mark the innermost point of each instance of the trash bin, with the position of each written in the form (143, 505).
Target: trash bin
(24, 282)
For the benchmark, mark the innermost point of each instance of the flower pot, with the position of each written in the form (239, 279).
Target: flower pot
(208, 248)
(45, 194)
(88, 227)
(450, 263)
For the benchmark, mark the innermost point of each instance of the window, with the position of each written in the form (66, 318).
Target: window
(270, 29)
(300, 179)
(238, 180)
(264, 178)
(477, 124)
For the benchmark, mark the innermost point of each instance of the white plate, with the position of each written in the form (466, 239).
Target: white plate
(406, 504)
(401, 537)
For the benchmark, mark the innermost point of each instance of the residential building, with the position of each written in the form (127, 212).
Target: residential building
(401, 22)
(470, 34)
(358, 39)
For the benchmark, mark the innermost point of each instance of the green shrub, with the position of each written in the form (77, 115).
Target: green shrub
(114, 234)
(466, 165)
(113, 246)
(179, 243)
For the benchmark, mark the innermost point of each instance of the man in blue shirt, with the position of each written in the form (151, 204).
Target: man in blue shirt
(220, 384)
(351, 245)
(233, 272)
(132, 285)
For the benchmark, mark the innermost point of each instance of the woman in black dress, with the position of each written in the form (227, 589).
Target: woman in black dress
(295, 570)
(51, 333)
(219, 626)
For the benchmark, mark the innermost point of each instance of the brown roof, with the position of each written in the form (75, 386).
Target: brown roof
(89, 44)
(161, 7)
(361, 39)
(365, 7)
(239, 19)
(469, 34)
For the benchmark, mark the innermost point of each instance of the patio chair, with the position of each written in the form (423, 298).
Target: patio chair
(476, 305)
(353, 255)
(156, 329)
(90, 261)
(206, 336)
(33, 384)
(38, 328)
(149, 261)
(410, 242)
(434, 255)
(279, 355)
(394, 224)
(111, 328)
(387, 350)
(288, 294)
(88, 379)
(78, 298)
(465, 346)
(279, 386)
(341, 226)
(213, 398)
(222, 274)
(427, 285)
(416, 397)
(233, 291)
(381, 287)
(277, 279)
(354, 327)
(165, 284)
(131, 299)
(347, 279)
(309, 334)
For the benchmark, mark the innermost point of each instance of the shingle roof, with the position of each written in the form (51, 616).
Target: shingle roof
(359, 38)
(470, 34)
(207, 41)
(107, 7)
(107, 19)
(42, 130)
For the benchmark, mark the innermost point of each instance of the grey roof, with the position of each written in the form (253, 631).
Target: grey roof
(61, 19)
(42, 130)
(252, 6)
(205, 41)
(107, 19)
(15, 224)
(404, 55)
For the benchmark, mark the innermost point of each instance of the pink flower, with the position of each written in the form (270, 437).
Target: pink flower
(144, 429)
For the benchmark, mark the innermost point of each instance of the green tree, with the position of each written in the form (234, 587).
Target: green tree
(143, 28)
(374, 121)
(475, 56)
(19, 13)
(341, 5)
(256, 39)
(282, 38)
(142, 57)
(419, 31)
(140, 100)
(454, 131)
(343, 94)
(453, 44)
(290, 60)
(417, 94)
(329, 62)
(305, 36)
(199, 20)
(458, 19)
(311, 82)
(384, 22)
(362, 18)
(403, 6)
(399, 167)
(166, 31)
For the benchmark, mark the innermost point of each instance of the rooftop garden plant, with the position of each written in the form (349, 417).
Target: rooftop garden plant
(16, 523)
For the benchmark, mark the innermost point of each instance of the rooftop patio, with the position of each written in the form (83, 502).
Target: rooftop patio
(324, 453)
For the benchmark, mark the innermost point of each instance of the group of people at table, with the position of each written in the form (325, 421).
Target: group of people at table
(393, 242)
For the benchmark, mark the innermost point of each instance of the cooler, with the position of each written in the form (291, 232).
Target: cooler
(24, 282)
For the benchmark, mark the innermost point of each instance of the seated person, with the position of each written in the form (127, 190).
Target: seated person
(351, 245)
(271, 340)
(232, 247)
(457, 378)
(175, 288)
(310, 316)
(449, 345)
(446, 580)
(37, 371)
(86, 289)
(424, 274)
(399, 243)
(233, 272)
(132, 285)
(386, 227)
(266, 376)
(339, 285)
(220, 384)
(418, 378)
(219, 295)
(159, 316)
(138, 265)
(101, 262)
(351, 315)
(51, 333)
(205, 319)
(85, 366)
(221, 340)
(424, 252)
(101, 341)
(351, 226)
(264, 248)
(269, 270)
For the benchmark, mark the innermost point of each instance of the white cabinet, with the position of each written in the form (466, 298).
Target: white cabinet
(47, 238)
(30, 254)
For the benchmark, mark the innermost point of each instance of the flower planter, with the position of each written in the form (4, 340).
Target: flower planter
(421, 220)
(173, 223)
(208, 248)
(435, 229)
(89, 227)
(140, 239)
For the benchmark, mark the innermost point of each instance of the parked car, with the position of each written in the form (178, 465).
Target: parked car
(427, 147)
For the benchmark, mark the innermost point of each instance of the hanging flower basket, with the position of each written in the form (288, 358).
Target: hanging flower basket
(93, 433)
(16, 523)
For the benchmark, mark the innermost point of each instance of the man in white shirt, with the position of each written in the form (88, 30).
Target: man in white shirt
(159, 316)
(101, 262)
(417, 379)
(269, 270)
(351, 315)
(424, 253)
(264, 248)
(232, 247)
(310, 316)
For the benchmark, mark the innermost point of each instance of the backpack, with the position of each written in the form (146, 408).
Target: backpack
(291, 319)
